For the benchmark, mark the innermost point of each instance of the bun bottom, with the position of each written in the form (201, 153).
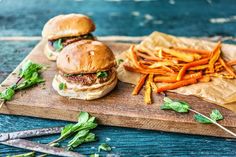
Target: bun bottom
(50, 54)
(86, 92)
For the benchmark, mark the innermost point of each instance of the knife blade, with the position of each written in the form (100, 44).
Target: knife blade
(43, 148)
(29, 133)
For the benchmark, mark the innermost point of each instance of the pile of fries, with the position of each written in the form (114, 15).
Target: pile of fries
(177, 67)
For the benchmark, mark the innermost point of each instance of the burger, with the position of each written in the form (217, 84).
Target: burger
(86, 70)
(63, 30)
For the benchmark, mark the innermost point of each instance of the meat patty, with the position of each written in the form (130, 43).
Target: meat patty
(86, 79)
(68, 40)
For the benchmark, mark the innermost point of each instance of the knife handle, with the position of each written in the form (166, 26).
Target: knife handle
(34, 133)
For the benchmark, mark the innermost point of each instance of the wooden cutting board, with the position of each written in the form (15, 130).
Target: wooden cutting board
(119, 108)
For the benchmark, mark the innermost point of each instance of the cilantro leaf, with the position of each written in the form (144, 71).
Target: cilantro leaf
(28, 69)
(66, 129)
(78, 139)
(94, 155)
(83, 117)
(102, 74)
(62, 86)
(199, 118)
(178, 106)
(35, 79)
(85, 123)
(216, 115)
(119, 61)
(104, 147)
(58, 45)
(8, 93)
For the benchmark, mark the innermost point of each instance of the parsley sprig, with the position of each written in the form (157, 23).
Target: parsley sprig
(101, 74)
(58, 45)
(29, 75)
(80, 131)
(184, 107)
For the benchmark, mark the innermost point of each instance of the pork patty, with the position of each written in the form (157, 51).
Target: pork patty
(86, 79)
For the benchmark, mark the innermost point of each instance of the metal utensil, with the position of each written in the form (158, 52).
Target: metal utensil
(29, 133)
(43, 148)
(15, 139)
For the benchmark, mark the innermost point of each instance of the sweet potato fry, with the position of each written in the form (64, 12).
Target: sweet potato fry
(220, 75)
(134, 57)
(188, 65)
(176, 85)
(139, 85)
(231, 63)
(202, 52)
(148, 93)
(160, 64)
(186, 57)
(144, 56)
(228, 68)
(214, 57)
(160, 53)
(168, 69)
(172, 79)
(147, 62)
(200, 67)
(145, 71)
(146, 50)
(205, 78)
(153, 85)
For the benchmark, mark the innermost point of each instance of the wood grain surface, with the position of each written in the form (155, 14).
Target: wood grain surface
(119, 108)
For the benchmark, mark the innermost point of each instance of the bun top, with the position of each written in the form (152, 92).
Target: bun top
(67, 26)
(85, 56)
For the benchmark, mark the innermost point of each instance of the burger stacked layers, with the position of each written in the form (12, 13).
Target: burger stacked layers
(63, 30)
(86, 67)
(86, 70)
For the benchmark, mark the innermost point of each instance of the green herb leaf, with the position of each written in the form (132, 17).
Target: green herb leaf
(66, 75)
(85, 124)
(8, 93)
(199, 118)
(83, 117)
(58, 45)
(102, 74)
(66, 129)
(28, 69)
(78, 139)
(62, 86)
(177, 106)
(94, 155)
(119, 61)
(91, 119)
(33, 80)
(104, 147)
(216, 115)
(90, 137)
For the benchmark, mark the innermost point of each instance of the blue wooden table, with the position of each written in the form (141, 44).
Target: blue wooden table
(117, 17)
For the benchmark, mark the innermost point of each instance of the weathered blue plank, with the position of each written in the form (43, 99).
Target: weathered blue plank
(129, 142)
(124, 17)
(182, 17)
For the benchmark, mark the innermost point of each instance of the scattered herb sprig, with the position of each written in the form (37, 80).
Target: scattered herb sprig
(104, 147)
(58, 45)
(79, 133)
(184, 107)
(29, 75)
(102, 74)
